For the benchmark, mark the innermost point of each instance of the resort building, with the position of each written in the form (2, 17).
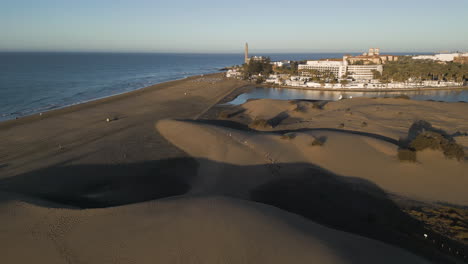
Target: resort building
(443, 57)
(337, 67)
(363, 72)
(279, 64)
(371, 57)
(341, 68)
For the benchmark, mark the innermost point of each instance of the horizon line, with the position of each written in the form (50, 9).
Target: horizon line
(201, 52)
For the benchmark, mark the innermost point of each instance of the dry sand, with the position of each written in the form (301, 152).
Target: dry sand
(368, 152)
(80, 134)
(181, 230)
(55, 168)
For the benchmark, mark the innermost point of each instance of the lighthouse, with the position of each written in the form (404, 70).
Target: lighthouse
(246, 58)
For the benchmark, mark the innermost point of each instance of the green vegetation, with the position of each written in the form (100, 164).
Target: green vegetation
(288, 136)
(260, 80)
(255, 67)
(407, 69)
(318, 142)
(291, 70)
(422, 135)
(437, 141)
(260, 123)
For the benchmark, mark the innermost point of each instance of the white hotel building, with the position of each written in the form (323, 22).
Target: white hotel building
(338, 68)
(341, 68)
(363, 72)
(445, 57)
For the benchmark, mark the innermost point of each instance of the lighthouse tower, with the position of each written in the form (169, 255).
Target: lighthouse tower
(246, 58)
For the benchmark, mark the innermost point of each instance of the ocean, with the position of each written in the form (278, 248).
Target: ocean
(37, 82)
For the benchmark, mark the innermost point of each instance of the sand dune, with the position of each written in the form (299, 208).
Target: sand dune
(180, 230)
(82, 190)
(433, 178)
(388, 117)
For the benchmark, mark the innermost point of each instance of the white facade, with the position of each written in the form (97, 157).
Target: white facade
(439, 57)
(233, 74)
(338, 68)
(281, 63)
(363, 72)
(341, 68)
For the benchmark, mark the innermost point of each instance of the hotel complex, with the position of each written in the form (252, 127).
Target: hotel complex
(356, 72)
(358, 68)
(444, 57)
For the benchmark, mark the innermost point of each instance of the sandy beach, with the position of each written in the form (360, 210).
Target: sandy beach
(165, 175)
(80, 134)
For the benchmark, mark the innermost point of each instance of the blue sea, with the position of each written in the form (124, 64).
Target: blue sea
(37, 82)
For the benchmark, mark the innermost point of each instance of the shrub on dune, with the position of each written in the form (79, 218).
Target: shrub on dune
(260, 123)
(288, 136)
(437, 141)
(318, 142)
(422, 135)
(300, 109)
(224, 114)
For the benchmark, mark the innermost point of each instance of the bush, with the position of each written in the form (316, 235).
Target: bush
(224, 114)
(318, 105)
(260, 123)
(407, 155)
(288, 136)
(454, 151)
(422, 135)
(318, 142)
(300, 109)
(437, 141)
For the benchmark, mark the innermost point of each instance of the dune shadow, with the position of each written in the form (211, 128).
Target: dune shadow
(357, 206)
(243, 127)
(350, 204)
(221, 123)
(275, 121)
(99, 186)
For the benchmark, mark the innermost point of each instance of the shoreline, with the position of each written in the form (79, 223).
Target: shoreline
(106, 99)
(81, 135)
(78, 105)
(367, 90)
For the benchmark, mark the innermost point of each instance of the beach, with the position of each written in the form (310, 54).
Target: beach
(80, 134)
(167, 174)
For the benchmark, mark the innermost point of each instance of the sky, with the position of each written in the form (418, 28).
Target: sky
(214, 26)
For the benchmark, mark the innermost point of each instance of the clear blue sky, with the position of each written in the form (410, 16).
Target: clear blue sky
(224, 26)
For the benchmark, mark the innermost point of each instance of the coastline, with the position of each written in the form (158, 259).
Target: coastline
(80, 134)
(107, 99)
(79, 105)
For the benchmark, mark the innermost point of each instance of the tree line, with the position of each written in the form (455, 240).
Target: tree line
(408, 69)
